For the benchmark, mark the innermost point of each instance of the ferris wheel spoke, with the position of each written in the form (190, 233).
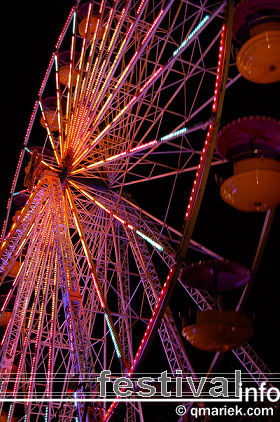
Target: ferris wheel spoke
(155, 225)
(97, 90)
(59, 111)
(150, 81)
(102, 299)
(128, 69)
(150, 147)
(141, 178)
(117, 216)
(155, 231)
(85, 85)
(50, 135)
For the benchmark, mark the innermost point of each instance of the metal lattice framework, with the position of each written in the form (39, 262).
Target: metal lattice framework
(93, 261)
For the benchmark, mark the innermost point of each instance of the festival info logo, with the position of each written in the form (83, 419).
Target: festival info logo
(214, 395)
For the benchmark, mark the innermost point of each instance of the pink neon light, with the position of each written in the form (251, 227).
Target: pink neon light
(152, 27)
(219, 69)
(130, 63)
(96, 286)
(19, 367)
(58, 100)
(115, 157)
(88, 15)
(140, 147)
(30, 122)
(101, 6)
(151, 78)
(140, 6)
(65, 27)
(50, 137)
(121, 154)
(6, 300)
(119, 219)
(46, 75)
(4, 336)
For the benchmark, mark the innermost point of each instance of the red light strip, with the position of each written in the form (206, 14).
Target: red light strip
(69, 84)
(219, 68)
(152, 27)
(46, 75)
(65, 27)
(59, 111)
(187, 215)
(35, 108)
(75, 114)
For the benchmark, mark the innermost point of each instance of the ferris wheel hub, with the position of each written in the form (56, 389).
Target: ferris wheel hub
(95, 183)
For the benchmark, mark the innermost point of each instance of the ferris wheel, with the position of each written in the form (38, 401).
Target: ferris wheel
(104, 202)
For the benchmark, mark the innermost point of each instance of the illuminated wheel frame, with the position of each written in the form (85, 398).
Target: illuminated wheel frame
(140, 113)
